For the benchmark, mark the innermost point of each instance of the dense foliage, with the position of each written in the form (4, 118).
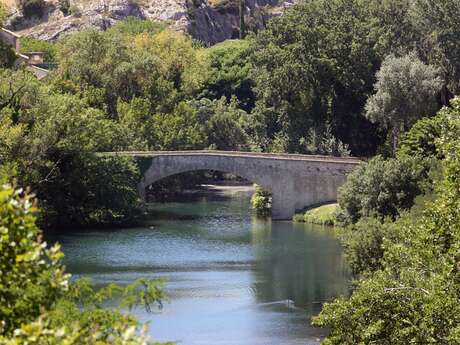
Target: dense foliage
(408, 288)
(315, 67)
(32, 277)
(7, 56)
(48, 141)
(384, 188)
(29, 44)
(230, 73)
(38, 302)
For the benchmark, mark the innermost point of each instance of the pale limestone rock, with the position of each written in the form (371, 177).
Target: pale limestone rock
(198, 17)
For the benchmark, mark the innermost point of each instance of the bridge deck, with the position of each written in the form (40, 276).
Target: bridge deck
(280, 156)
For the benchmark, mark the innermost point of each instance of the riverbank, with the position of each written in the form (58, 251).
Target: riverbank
(321, 215)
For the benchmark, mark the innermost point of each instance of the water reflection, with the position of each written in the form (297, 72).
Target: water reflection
(231, 278)
(301, 263)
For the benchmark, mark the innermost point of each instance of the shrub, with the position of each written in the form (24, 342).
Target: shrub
(135, 26)
(261, 202)
(39, 304)
(363, 245)
(421, 138)
(31, 276)
(385, 187)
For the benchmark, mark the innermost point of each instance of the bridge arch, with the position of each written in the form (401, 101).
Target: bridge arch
(295, 181)
(161, 168)
(249, 177)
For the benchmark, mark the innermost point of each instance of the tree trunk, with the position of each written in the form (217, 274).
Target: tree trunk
(242, 23)
(444, 96)
(396, 133)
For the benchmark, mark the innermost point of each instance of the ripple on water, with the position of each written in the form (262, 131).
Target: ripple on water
(231, 279)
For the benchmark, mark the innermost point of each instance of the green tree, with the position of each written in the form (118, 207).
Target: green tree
(18, 90)
(39, 303)
(422, 138)
(51, 138)
(363, 244)
(105, 64)
(136, 124)
(413, 296)
(164, 67)
(91, 191)
(323, 142)
(438, 24)
(7, 56)
(312, 66)
(230, 73)
(261, 202)
(180, 130)
(406, 90)
(224, 124)
(393, 27)
(180, 62)
(384, 187)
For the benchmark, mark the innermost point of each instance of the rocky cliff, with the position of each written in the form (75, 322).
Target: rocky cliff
(209, 21)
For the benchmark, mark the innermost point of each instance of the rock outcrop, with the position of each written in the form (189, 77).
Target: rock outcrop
(209, 21)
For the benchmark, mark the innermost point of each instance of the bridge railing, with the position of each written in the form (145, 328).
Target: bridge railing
(285, 156)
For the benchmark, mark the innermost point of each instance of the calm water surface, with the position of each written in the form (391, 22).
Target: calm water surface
(232, 279)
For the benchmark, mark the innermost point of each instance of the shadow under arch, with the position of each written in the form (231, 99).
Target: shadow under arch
(152, 176)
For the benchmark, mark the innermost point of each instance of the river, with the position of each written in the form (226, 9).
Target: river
(231, 278)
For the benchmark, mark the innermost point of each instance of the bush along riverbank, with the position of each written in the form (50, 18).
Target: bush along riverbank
(321, 215)
(261, 202)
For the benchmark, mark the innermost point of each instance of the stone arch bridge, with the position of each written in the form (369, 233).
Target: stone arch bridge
(295, 181)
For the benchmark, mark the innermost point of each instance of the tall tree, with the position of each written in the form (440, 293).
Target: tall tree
(438, 22)
(315, 65)
(406, 90)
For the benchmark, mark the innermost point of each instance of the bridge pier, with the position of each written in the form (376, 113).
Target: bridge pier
(283, 199)
(282, 209)
(141, 190)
